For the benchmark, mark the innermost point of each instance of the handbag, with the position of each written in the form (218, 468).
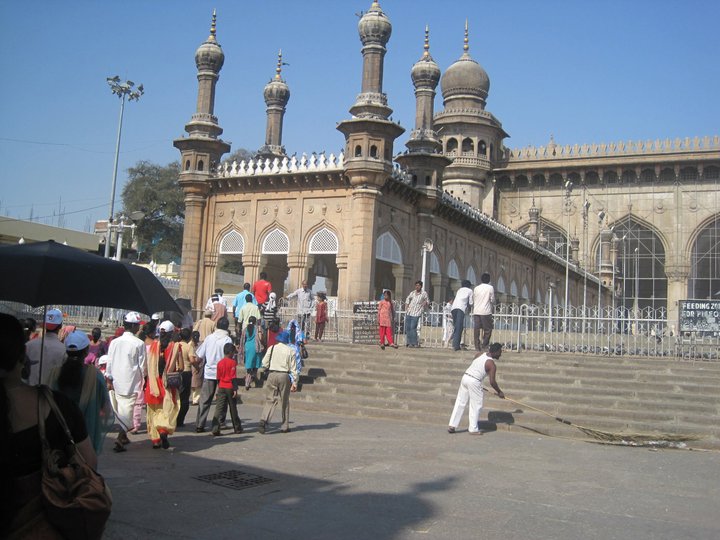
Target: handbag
(173, 380)
(76, 499)
(303, 352)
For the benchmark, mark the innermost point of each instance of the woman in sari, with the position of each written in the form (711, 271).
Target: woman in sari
(163, 403)
(251, 348)
(85, 386)
(297, 341)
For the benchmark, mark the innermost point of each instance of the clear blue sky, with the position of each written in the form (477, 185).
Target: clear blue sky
(584, 71)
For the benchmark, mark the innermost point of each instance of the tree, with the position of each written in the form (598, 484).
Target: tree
(154, 190)
(238, 155)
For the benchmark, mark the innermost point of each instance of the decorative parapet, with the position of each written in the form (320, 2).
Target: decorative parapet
(257, 167)
(553, 151)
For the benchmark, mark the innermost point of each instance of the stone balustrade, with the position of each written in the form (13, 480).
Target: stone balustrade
(258, 167)
(554, 151)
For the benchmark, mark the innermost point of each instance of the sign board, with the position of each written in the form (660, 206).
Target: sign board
(700, 316)
(365, 326)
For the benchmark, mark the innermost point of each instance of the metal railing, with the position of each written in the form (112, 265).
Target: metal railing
(520, 327)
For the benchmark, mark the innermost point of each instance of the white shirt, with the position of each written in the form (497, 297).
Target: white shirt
(53, 356)
(483, 299)
(126, 364)
(463, 298)
(212, 351)
(209, 304)
(477, 368)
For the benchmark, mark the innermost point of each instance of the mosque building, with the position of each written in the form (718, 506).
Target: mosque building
(633, 225)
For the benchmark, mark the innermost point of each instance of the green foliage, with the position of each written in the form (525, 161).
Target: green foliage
(154, 190)
(238, 155)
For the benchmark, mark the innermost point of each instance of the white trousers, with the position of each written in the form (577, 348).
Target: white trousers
(470, 389)
(124, 406)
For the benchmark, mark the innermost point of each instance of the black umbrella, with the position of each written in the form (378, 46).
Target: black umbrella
(45, 273)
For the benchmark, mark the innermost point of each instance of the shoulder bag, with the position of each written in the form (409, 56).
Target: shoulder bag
(76, 499)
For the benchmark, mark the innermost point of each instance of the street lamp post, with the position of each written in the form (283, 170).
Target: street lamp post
(568, 190)
(121, 89)
(586, 208)
(427, 247)
(122, 225)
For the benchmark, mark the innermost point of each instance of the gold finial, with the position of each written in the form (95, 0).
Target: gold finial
(212, 26)
(278, 69)
(427, 41)
(466, 43)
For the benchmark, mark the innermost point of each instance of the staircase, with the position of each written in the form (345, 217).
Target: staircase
(620, 395)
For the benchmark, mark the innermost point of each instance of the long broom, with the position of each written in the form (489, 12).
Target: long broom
(634, 439)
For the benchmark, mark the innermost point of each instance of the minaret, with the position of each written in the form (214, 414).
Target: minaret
(423, 158)
(471, 136)
(369, 137)
(277, 95)
(200, 152)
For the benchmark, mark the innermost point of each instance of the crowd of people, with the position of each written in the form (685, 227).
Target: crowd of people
(100, 384)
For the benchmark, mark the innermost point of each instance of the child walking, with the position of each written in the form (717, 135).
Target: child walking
(386, 319)
(227, 390)
(321, 316)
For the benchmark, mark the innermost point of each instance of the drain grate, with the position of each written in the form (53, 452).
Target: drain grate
(235, 479)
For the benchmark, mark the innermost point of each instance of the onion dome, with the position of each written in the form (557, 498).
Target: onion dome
(277, 91)
(425, 72)
(209, 56)
(465, 78)
(374, 26)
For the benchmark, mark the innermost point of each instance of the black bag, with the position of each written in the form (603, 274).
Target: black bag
(303, 352)
(173, 380)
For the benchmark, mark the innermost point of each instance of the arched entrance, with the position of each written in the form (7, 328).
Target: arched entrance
(704, 280)
(388, 258)
(323, 248)
(273, 259)
(230, 272)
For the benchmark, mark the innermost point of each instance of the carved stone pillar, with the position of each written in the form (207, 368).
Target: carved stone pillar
(210, 262)
(361, 258)
(439, 283)
(251, 265)
(298, 265)
(341, 261)
(574, 250)
(677, 275)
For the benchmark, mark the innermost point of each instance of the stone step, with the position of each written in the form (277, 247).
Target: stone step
(615, 394)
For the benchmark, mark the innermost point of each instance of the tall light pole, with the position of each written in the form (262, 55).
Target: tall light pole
(121, 89)
(601, 217)
(586, 208)
(568, 191)
(427, 247)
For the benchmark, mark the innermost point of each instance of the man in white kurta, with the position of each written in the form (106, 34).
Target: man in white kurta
(125, 374)
(471, 389)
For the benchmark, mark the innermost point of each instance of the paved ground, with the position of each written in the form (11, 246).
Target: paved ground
(343, 478)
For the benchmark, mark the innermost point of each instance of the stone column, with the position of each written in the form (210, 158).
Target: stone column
(341, 261)
(210, 262)
(439, 283)
(191, 247)
(677, 275)
(361, 259)
(404, 279)
(251, 266)
(298, 265)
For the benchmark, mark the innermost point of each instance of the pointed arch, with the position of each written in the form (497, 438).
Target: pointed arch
(470, 275)
(525, 294)
(434, 263)
(232, 243)
(513, 289)
(276, 242)
(387, 248)
(501, 285)
(323, 241)
(704, 279)
(453, 270)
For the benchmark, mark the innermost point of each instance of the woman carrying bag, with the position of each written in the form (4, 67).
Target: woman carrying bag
(162, 391)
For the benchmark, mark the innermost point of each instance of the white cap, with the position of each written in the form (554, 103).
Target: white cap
(132, 317)
(103, 360)
(53, 318)
(167, 326)
(155, 316)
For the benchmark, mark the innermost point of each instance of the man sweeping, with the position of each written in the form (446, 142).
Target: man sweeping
(471, 388)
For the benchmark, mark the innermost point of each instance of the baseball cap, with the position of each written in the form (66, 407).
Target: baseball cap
(53, 319)
(155, 316)
(167, 326)
(132, 317)
(76, 341)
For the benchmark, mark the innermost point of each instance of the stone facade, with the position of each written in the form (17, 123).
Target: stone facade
(543, 221)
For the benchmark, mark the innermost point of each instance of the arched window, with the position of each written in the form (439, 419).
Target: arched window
(513, 290)
(232, 244)
(501, 285)
(201, 165)
(387, 249)
(276, 243)
(704, 282)
(373, 151)
(640, 270)
(187, 165)
(525, 295)
(483, 149)
(557, 239)
(452, 146)
(470, 275)
(428, 180)
(467, 146)
(358, 151)
(324, 241)
(453, 271)
(434, 264)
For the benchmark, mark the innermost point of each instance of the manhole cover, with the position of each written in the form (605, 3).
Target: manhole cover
(235, 479)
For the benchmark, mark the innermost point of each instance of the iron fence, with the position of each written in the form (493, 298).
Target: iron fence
(520, 327)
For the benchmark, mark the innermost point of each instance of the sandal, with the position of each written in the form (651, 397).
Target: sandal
(119, 448)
